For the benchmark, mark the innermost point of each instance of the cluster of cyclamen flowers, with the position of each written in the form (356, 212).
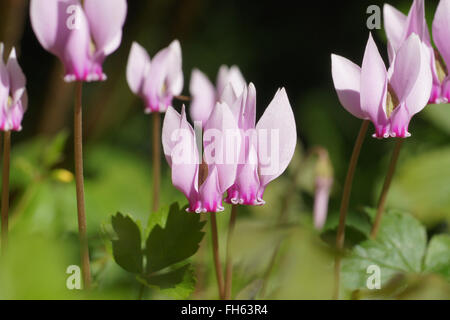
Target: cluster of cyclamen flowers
(417, 75)
(235, 158)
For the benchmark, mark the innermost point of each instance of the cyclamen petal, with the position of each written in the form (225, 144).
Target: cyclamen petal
(229, 87)
(13, 95)
(347, 82)
(80, 36)
(203, 95)
(389, 99)
(266, 149)
(158, 80)
(441, 30)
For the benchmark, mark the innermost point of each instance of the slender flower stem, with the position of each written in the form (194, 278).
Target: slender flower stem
(386, 186)
(217, 264)
(156, 154)
(229, 260)
(5, 189)
(78, 143)
(340, 238)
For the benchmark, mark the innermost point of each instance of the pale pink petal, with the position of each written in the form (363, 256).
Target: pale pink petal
(249, 111)
(400, 119)
(138, 68)
(203, 95)
(374, 86)
(211, 193)
(228, 95)
(321, 198)
(231, 76)
(4, 80)
(106, 19)
(222, 144)
(406, 67)
(441, 30)
(416, 22)
(277, 138)
(49, 20)
(17, 79)
(180, 145)
(395, 25)
(347, 81)
(420, 94)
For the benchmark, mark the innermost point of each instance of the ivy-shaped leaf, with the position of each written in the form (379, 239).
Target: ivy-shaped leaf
(399, 248)
(127, 248)
(174, 236)
(177, 241)
(438, 256)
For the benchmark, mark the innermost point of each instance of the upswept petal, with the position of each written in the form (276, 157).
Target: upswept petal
(222, 145)
(138, 68)
(175, 78)
(277, 138)
(441, 30)
(17, 79)
(416, 22)
(203, 96)
(406, 67)
(4, 80)
(394, 24)
(420, 94)
(347, 81)
(106, 19)
(231, 76)
(76, 54)
(374, 85)
(180, 145)
(49, 19)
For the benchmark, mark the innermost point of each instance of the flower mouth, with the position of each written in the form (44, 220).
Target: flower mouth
(441, 67)
(9, 102)
(392, 101)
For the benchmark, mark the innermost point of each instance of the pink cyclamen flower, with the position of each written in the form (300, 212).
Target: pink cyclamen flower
(80, 35)
(387, 98)
(266, 147)
(13, 94)
(156, 81)
(229, 85)
(322, 195)
(399, 27)
(182, 154)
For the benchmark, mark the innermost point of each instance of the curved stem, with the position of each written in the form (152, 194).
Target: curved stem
(215, 247)
(5, 189)
(340, 238)
(386, 186)
(156, 154)
(229, 260)
(78, 148)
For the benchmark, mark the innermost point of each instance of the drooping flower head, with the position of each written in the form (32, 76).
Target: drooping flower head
(80, 35)
(229, 85)
(219, 165)
(13, 94)
(266, 147)
(398, 29)
(156, 81)
(389, 99)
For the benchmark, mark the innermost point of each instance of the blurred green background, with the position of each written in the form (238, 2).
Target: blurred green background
(282, 43)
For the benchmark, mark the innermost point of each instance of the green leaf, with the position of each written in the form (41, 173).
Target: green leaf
(439, 115)
(398, 248)
(178, 283)
(127, 248)
(177, 241)
(437, 259)
(421, 186)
